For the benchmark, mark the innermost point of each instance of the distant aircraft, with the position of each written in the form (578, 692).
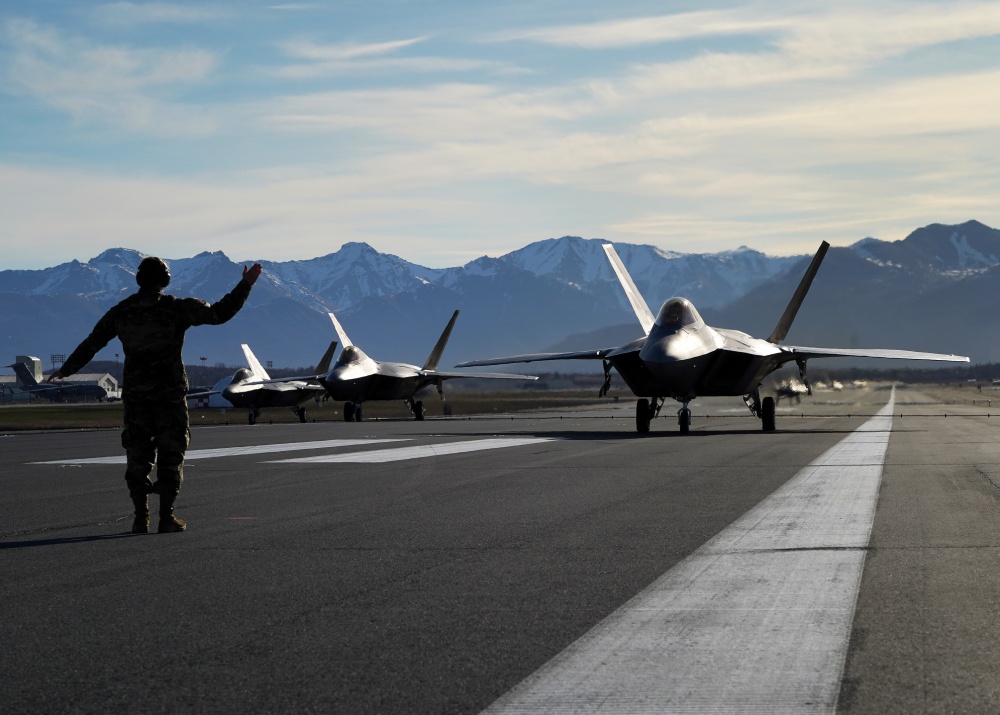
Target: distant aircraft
(356, 378)
(681, 357)
(791, 390)
(254, 389)
(65, 392)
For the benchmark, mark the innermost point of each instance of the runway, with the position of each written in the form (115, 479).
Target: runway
(455, 565)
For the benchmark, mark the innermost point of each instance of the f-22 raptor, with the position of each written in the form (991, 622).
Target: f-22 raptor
(356, 378)
(252, 388)
(681, 357)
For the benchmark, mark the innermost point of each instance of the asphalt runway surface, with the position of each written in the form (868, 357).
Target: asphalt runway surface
(532, 564)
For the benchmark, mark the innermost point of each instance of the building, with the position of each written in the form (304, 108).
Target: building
(14, 389)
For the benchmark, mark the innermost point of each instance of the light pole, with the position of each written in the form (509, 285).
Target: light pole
(204, 375)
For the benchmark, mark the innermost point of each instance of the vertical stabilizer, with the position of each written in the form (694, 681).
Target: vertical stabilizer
(345, 342)
(435, 357)
(258, 370)
(24, 375)
(323, 366)
(642, 311)
(781, 329)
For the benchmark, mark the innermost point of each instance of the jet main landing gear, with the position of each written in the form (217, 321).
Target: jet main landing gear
(762, 408)
(352, 412)
(645, 412)
(416, 407)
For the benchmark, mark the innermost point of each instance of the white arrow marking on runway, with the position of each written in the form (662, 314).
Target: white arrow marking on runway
(237, 451)
(756, 620)
(417, 452)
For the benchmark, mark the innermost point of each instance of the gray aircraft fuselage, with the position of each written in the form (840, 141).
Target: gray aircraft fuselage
(683, 358)
(254, 395)
(355, 377)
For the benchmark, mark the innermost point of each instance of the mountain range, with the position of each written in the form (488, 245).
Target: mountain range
(934, 290)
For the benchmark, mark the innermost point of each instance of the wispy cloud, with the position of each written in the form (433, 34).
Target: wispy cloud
(647, 30)
(130, 13)
(115, 85)
(332, 60)
(307, 49)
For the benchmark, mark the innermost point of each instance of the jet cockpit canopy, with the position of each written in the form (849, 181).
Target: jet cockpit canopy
(241, 375)
(679, 313)
(348, 355)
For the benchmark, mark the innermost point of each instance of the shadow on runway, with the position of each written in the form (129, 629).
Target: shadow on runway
(64, 540)
(588, 436)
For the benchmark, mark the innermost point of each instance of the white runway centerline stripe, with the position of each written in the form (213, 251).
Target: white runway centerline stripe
(418, 451)
(756, 620)
(237, 451)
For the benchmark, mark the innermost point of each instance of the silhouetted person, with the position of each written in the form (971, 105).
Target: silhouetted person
(151, 328)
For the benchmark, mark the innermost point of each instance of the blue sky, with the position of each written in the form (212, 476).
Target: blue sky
(443, 131)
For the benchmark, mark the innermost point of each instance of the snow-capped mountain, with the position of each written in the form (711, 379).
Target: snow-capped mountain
(526, 301)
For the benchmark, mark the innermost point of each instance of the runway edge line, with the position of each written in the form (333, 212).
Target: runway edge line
(758, 619)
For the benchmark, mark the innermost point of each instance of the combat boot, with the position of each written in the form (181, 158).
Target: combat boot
(141, 523)
(169, 523)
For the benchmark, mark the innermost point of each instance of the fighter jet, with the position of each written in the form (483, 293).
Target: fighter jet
(253, 388)
(64, 392)
(356, 378)
(681, 357)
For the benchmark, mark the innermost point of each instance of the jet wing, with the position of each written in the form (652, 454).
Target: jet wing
(801, 353)
(203, 393)
(468, 375)
(534, 357)
(283, 380)
(276, 385)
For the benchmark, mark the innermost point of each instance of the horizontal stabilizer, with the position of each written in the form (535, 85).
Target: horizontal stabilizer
(801, 353)
(642, 311)
(471, 375)
(582, 355)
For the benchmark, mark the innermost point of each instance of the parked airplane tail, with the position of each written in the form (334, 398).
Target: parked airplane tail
(24, 374)
(435, 357)
(781, 329)
(642, 311)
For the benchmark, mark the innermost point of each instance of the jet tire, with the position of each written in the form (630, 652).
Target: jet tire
(348, 412)
(767, 414)
(642, 416)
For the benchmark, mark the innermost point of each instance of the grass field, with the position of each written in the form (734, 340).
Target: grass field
(109, 416)
(983, 398)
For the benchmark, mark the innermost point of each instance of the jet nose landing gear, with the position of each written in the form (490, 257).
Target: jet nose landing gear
(684, 418)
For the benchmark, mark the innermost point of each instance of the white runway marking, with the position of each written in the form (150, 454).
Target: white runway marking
(756, 620)
(236, 451)
(417, 452)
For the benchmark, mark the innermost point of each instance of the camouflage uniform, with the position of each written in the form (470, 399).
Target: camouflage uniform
(151, 328)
